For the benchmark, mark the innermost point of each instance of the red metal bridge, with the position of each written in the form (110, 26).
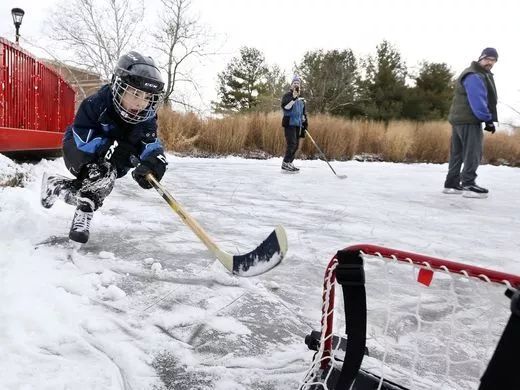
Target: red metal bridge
(36, 104)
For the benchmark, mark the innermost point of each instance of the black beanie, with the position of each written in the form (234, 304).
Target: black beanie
(489, 52)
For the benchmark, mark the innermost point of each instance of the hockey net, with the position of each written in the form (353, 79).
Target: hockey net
(426, 323)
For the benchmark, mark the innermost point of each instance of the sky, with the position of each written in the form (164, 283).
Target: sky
(144, 301)
(454, 32)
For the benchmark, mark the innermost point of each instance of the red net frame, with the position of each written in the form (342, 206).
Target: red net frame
(426, 265)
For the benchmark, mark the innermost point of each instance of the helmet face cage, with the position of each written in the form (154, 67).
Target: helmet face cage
(120, 89)
(137, 87)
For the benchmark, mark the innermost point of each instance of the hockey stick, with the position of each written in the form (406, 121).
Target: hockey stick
(266, 256)
(323, 156)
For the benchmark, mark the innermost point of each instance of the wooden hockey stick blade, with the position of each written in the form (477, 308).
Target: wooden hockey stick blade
(266, 256)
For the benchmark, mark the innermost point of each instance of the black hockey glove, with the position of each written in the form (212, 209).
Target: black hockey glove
(155, 165)
(121, 154)
(304, 127)
(490, 126)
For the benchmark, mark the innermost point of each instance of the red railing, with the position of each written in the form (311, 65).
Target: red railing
(36, 104)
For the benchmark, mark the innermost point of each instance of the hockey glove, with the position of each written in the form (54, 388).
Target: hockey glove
(305, 123)
(155, 165)
(490, 126)
(118, 154)
(303, 127)
(121, 154)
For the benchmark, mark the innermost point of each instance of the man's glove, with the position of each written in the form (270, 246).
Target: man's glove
(490, 126)
(155, 165)
(302, 132)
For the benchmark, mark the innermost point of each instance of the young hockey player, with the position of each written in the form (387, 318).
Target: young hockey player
(117, 122)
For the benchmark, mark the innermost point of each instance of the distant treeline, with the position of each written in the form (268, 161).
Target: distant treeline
(336, 82)
(258, 134)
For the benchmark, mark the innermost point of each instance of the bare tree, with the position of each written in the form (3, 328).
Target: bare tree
(96, 32)
(179, 38)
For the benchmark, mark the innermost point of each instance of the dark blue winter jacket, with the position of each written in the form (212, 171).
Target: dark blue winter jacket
(97, 125)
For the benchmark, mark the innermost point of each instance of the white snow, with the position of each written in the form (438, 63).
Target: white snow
(143, 304)
(156, 268)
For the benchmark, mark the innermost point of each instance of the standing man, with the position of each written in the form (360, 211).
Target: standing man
(474, 104)
(294, 122)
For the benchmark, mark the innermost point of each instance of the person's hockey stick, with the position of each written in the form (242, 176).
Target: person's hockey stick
(323, 156)
(266, 256)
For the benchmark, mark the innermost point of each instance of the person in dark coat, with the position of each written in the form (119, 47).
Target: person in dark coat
(474, 105)
(294, 122)
(113, 131)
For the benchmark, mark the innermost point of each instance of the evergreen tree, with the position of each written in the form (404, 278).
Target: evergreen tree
(430, 99)
(330, 81)
(271, 91)
(241, 83)
(383, 88)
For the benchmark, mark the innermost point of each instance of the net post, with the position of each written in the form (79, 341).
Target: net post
(351, 275)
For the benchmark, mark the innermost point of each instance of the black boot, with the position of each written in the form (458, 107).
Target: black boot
(475, 191)
(455, 189)
(79, 231)
(51, 187)
(289, 167)
(57, 186)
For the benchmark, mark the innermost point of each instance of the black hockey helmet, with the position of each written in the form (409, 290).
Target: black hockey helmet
(137, 75)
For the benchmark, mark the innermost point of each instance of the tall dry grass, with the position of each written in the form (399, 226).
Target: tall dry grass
(340, 139)
(503, 149)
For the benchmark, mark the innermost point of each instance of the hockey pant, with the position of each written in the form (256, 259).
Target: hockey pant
(93, 184)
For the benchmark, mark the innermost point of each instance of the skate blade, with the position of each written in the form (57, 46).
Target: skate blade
(474, 195)
(451, 191)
